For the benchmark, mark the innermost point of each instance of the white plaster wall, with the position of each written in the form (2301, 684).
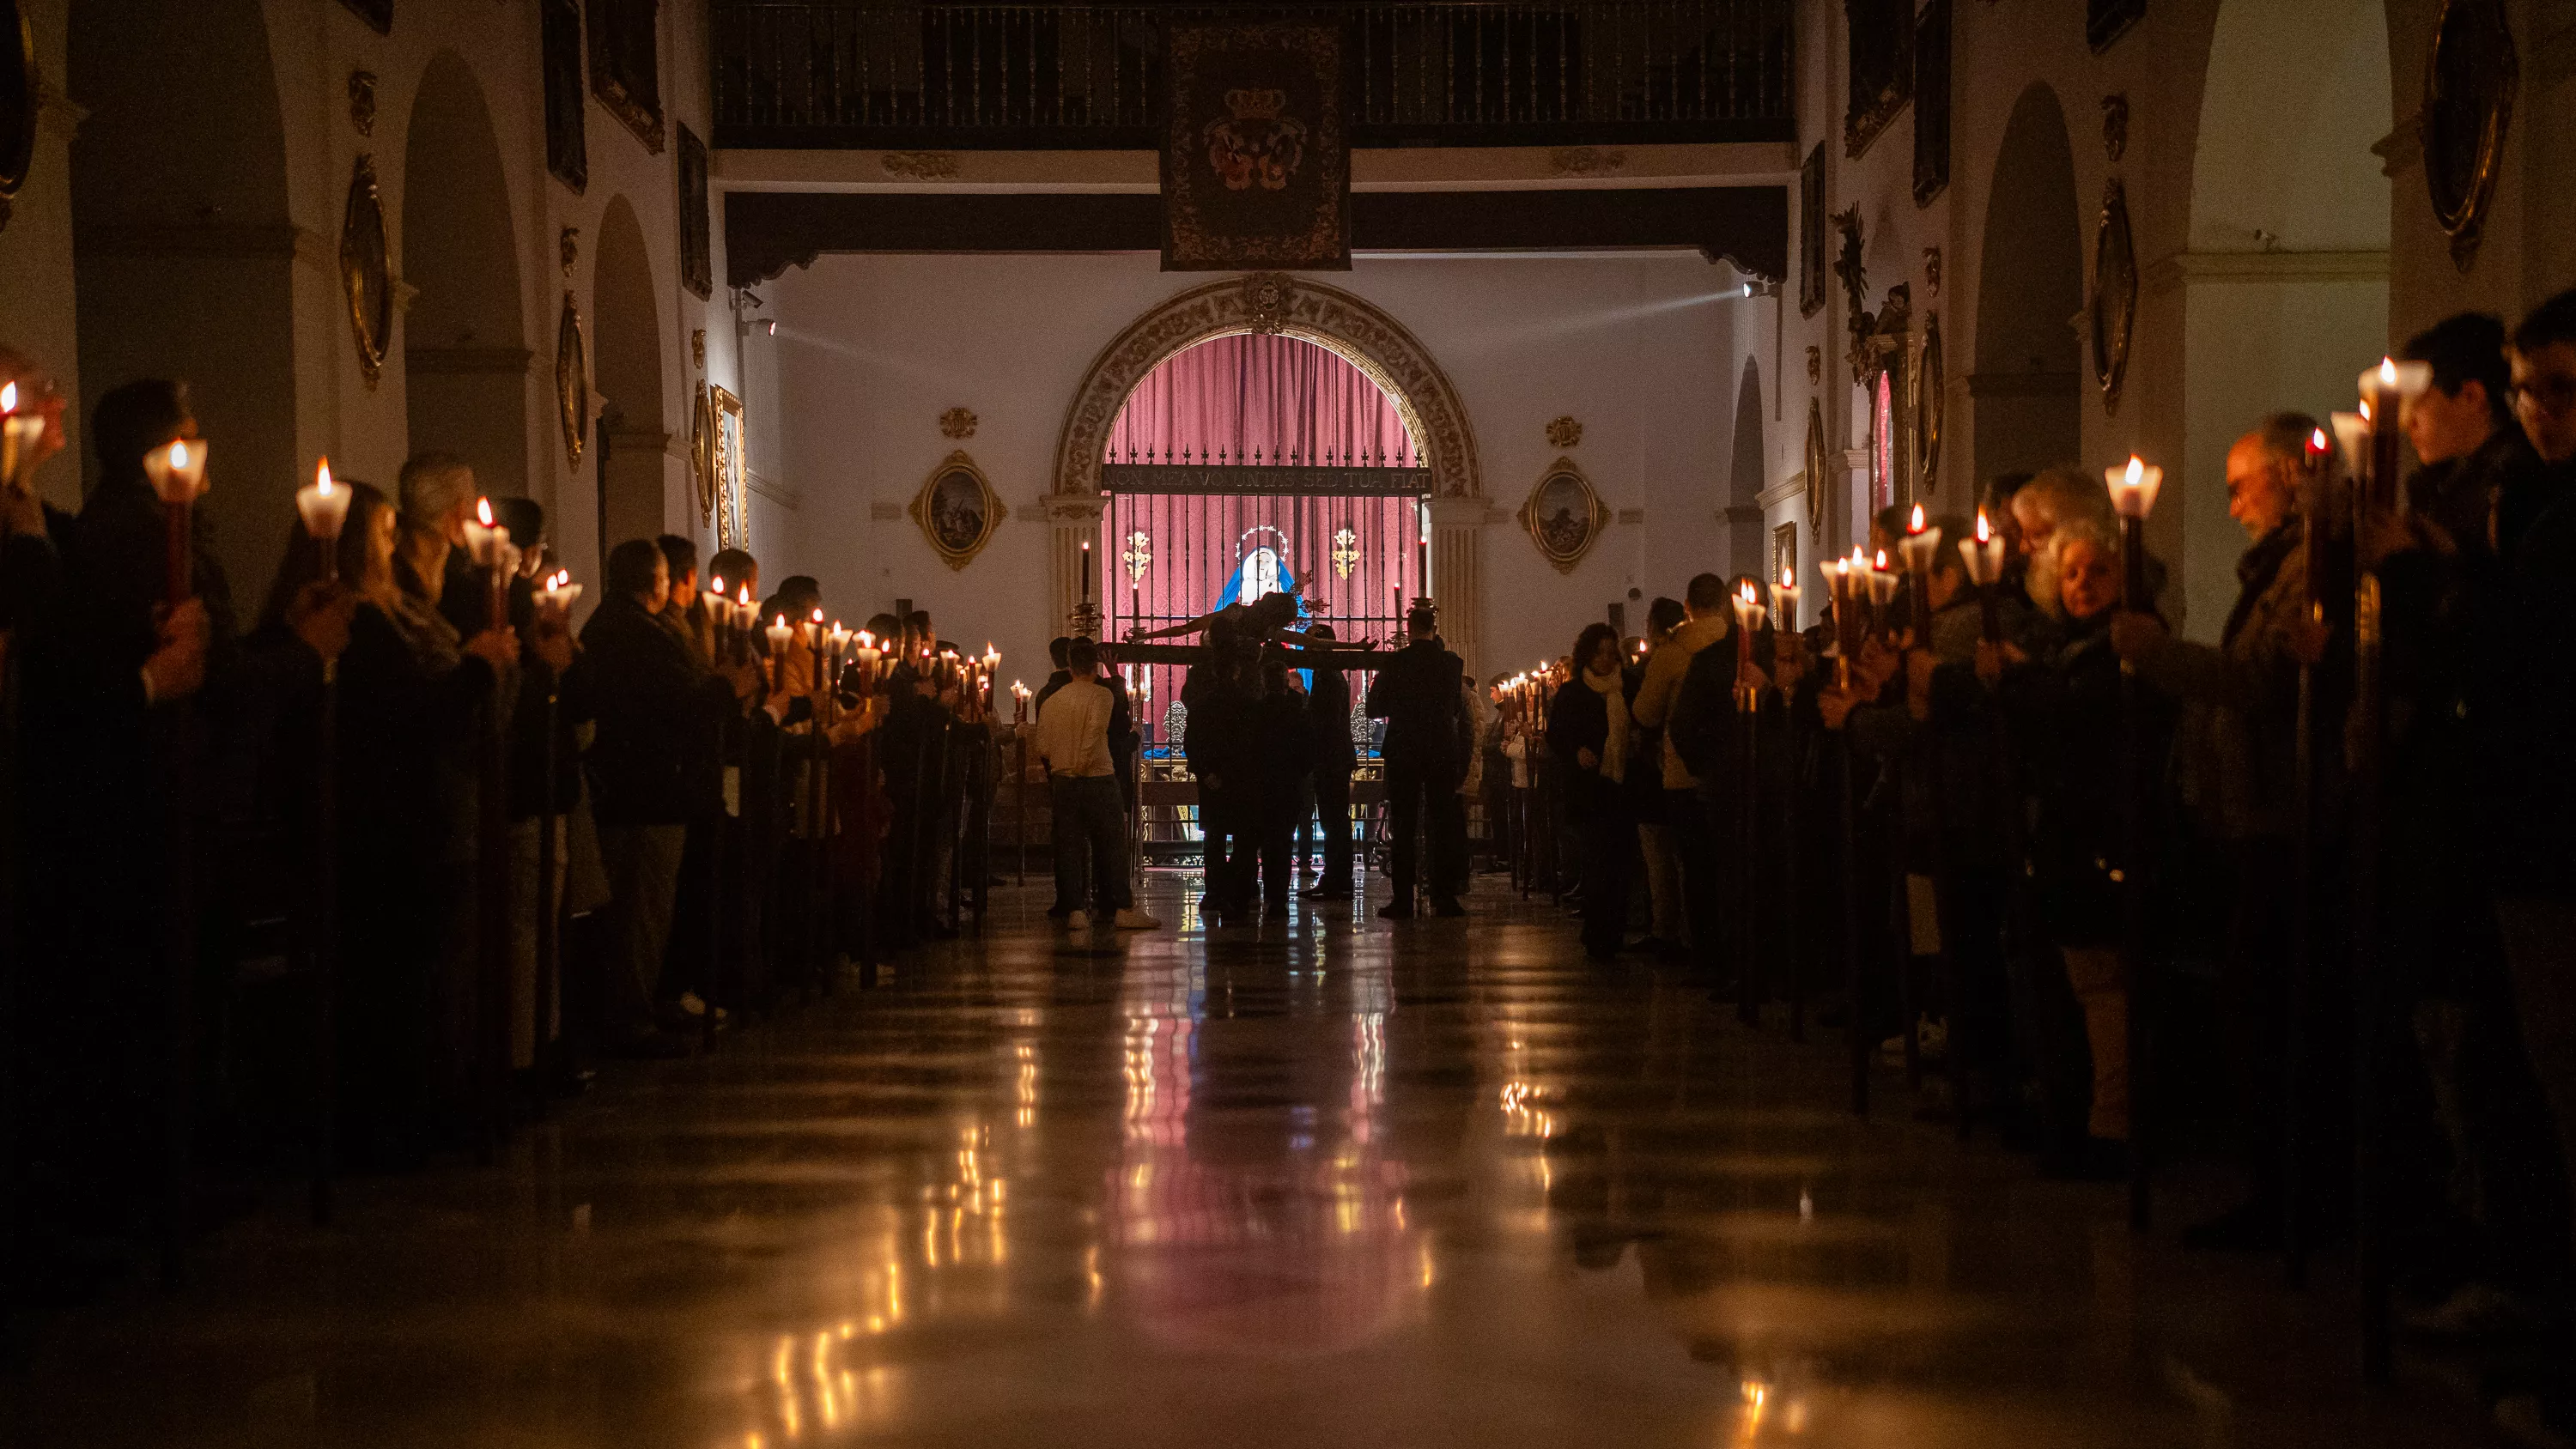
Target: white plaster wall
(871, 349)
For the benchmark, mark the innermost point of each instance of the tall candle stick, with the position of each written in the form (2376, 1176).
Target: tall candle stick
(2387, 388)
(1984, 555)
(324, 507)
(1920, 546)
(2133, 497)
(20, 432)
(178, 474)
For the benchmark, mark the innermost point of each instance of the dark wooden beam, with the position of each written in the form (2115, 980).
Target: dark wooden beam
(766, 232)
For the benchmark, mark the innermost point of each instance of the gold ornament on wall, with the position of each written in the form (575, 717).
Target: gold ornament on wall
(1564, 433)
(572, 379)
(2115, 126)
(957, 423)
(1817, 464)
(1931, 274)
(568, 249)
(1138, 555)
(957, 510)
(2469, 86)
(732, 469)
(698, 347)
(702, 452)
(366, 270)
(1564, 515)
(1346, 551)
(1931, 378)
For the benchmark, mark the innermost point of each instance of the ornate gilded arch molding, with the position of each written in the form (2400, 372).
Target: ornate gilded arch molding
(1271, 302)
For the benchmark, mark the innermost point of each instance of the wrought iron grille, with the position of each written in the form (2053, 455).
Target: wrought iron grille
(876, 74)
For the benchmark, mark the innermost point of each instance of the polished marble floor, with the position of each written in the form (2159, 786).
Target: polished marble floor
(1326, 1184)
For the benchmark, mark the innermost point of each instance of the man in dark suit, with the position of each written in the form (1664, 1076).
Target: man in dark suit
(1417, 694)
(1329, 711)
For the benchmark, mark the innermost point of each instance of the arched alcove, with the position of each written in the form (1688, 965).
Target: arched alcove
(184, 251)
(1744, 530)
(2285, 287)
(1351, 326)
(465, 349)
(2025, 399)
(626, 349)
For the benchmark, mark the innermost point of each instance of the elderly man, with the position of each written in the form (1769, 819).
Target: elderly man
(2054, 499)
(2239, 743)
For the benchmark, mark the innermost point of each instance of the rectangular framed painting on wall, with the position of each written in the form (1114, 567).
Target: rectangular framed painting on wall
(1932, 102)
(697, 247)
(1881, 33)
(379, 14)
(733, 473)
(1811, 233)
(1255, 163)
(626, 65)
(567, 148)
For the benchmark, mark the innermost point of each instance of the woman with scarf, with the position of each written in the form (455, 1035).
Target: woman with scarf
(1587, 738)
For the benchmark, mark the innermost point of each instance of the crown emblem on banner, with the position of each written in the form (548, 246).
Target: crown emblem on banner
(1249, 105)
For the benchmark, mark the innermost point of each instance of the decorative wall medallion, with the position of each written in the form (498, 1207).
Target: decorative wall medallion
(956, 509)
(568, 249)
(1854, 275)
(362, 101)
(2115, 293)
(697, 246)
(1811, 233)
(702, 452)
(21, 100)
(958, 423)
(1266, 299)
(698, 347)
(732, 471)
(920, 165)
(1931, 274)
(2469, 90)
(1138, 555)
(1815, 365)
(1586, 161)
(2115, 126)
(1931, 378)
(626, 65)
(1563, 515)
(1346, 551)
(567, 139)
(1816, 466)
(572, 378)
(1564, 433)
(366, 270)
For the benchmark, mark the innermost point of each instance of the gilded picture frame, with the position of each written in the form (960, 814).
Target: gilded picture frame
(572, 379)
(18, 104)
(2113, 306)
(626, 65)
(366, 269)
(702, 452)
(729, 462)
(1564, 515)
(378, 14)
(1931, 380)
(1880, 35)
(2469, 84)
(1818, 464)
(957, 510)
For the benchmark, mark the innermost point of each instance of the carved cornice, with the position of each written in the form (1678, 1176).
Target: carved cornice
(1297, 307)
(2185, 269)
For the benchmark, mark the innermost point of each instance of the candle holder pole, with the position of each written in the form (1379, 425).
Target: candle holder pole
(542, 1059)
(2133, 497)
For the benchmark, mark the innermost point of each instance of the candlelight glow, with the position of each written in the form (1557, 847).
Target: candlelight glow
(8, 397)
(1881, 563)
(1985, 530)
(2388, 372)
(1788, 576)
(1747, 591)
(322, 477)
(483, 511)
(1915, 523)
(2134, 487)
(716, 586)
(2317, 444)
(179, 455)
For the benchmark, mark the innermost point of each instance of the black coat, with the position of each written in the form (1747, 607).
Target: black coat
(1328, 712)
(1278, 748)
(1418, 695)
(2065, 711)
(1579, 719)
(654, 758)
(1216, 740)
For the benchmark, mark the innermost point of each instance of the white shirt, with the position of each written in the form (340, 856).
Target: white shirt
(1073, 729)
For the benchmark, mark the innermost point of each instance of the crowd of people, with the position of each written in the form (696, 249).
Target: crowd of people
(2125, 890)
(363, 875)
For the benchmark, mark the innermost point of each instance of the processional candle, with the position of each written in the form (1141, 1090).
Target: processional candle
(178, 475)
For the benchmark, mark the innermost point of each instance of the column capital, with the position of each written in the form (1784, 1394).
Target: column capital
(1075, 510)
(1459, 513)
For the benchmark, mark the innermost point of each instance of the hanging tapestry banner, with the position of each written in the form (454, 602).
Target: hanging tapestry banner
(1256, 167)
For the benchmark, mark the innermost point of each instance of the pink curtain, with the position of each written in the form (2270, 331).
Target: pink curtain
(1265, 399)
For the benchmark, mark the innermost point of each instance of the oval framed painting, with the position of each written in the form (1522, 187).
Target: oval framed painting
(366, 269)
(1816, 465)
(1564, 515)
(2469, 85)
(957, 510)
(18, 103)
(1931, 380)
(2115, 293)
(572, 379)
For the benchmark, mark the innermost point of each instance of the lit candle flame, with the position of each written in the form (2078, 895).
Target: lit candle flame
(1985, 530)
(2387, 372)
(2317, 442)
(179, 454)
(745, 596)
(1915, 524)
(2137, 469)
(718, 589)
(1747, 591)
(1788, 576)
(8, 397)
(1882, 560)
(483, 511)
(322, 477)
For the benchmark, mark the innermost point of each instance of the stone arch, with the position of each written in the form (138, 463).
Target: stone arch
(1350, 326)
(2025, 398)
(184, 248)
(2283, 289)
(1745, 480)
(626, 368)
(465, 349)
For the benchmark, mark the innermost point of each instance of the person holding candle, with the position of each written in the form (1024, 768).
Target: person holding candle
(688, 603)
(1417, 695)
(2054, 498)
(654, 703)
(1707, 619)
(1588, 736)
(1328, 723)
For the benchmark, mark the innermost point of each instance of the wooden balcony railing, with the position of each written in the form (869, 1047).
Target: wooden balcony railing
(879, 75)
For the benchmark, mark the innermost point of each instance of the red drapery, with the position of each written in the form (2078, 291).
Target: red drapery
(1257, 398)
